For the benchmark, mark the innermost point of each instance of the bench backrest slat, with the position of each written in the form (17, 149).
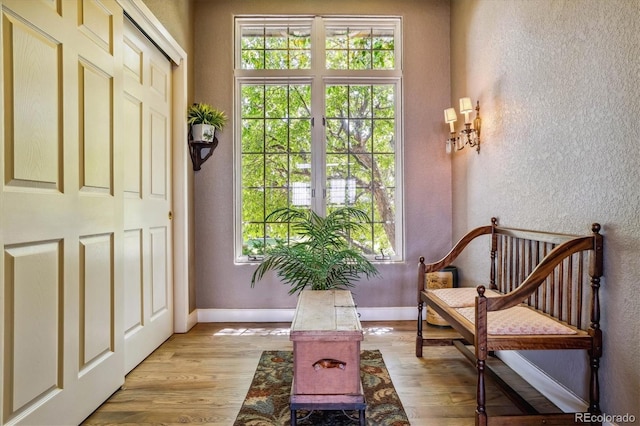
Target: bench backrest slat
(566, 293)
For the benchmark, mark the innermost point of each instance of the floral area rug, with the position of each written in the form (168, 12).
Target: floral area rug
(267, 402)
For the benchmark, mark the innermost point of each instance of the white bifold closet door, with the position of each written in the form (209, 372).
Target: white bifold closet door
(84, 206)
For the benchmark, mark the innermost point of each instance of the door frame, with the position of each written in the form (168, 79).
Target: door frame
(182, 176)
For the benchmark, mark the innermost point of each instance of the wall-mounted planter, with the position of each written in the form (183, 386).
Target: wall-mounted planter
(203, 132)
(202, 143)
(204, 121)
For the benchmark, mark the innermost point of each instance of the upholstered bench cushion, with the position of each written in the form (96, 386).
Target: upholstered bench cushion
(461, 297)
(518, 320)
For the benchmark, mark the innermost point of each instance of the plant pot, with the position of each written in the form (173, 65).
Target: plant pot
(203, 132)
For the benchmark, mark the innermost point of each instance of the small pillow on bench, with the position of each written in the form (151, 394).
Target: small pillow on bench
(518, 320)
(460, 297)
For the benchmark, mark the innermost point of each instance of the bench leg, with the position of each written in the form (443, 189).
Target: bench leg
(293, 418)
(594, 357)
(594, 391)
(481, 419)
(419, 339)
(481, 409)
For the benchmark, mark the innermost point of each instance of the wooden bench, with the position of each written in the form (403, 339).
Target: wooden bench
(542, 293)
(326, 335)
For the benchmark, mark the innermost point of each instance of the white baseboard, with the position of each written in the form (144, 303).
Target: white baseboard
(554, 391)
(245, 315)
(192, 319)
(185, 326)
(407, 313)
(286, 315)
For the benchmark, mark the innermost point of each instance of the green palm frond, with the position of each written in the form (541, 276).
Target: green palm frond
(322, 259)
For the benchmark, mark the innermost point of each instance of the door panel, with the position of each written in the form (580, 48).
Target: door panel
(159, 277)
(133, 308)
(132, 146)
(96, 126)
(96, 296)
(32, 66)
(159, 138)
(33, 289)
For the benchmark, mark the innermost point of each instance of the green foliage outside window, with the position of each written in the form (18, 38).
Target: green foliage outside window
(276, 124)
(360, 48)
(276, 48)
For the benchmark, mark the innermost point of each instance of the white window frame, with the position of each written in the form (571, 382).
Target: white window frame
(318, 77)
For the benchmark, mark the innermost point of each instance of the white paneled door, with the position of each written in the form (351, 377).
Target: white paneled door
(84, 206)
(148, 313)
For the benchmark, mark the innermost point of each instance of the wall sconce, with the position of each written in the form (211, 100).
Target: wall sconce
(470, 135)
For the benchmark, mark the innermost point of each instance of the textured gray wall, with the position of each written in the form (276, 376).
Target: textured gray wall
(558, 88)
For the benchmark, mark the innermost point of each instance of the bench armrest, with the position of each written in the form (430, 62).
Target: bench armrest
(423, 268)
(540, 273)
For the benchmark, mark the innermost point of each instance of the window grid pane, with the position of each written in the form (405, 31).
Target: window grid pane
(360, 48)
(275, 47)
(361, 159)
(275, 159)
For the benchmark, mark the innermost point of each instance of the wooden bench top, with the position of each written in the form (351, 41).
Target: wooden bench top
(325, 312)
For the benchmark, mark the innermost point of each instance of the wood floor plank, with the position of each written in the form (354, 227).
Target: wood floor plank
(202, 377)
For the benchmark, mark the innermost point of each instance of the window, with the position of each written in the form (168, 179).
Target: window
(318, 126)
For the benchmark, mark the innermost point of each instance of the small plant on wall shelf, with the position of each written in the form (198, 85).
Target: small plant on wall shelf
(205, 120)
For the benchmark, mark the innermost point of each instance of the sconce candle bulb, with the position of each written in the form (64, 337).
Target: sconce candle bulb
(465, 108)
(470, 135)
(450, 117)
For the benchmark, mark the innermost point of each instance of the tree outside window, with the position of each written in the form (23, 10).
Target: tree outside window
(319, 133)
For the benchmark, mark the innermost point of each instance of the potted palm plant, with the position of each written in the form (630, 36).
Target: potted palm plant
(322, 258)
(205, 121)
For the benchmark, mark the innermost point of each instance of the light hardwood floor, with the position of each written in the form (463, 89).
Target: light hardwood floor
(202, 377)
